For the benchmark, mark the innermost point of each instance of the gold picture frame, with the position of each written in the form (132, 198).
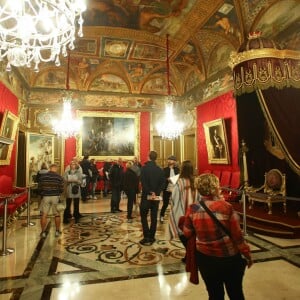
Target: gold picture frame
(8, 131)
(216, 142)
(9, 125)
(109, 135)
(40, 149)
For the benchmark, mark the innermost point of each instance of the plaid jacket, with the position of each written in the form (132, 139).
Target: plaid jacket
(210, 239)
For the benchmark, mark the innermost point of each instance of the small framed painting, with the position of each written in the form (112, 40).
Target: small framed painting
(216, 142)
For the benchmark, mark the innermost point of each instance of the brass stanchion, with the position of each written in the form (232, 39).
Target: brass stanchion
(28, 223)
(244, 149)
(5, 251)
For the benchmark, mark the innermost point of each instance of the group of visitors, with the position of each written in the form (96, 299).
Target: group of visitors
(199, 216)
(207, 225)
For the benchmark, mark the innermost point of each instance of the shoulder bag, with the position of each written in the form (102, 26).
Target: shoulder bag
(218, 223)
(242, 260)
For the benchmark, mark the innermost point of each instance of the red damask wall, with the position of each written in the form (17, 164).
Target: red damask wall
(221, 107)
(70, 149)
(8, 101)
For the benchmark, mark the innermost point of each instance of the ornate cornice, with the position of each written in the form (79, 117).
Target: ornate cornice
(264, 68)
(237, 58)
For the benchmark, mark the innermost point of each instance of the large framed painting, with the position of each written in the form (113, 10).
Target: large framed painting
(109, 135)
(40, 149)
(216, 142)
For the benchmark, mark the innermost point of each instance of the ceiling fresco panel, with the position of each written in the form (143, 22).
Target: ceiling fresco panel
(278, 17)
(192, 81)
(53, 78)
(109, 83)
(250, 10)
(144, 51)
(86, 46)
(219, 59)
(115, 48)
(152, 16)
(225, 20)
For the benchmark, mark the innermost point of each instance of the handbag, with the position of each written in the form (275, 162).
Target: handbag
(75, 189)
(61, 205)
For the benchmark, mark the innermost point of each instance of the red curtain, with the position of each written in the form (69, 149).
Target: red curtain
(282, 112)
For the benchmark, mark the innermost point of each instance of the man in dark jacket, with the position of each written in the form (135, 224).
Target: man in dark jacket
(153, 181)
(116, 181)
(169, 171)
(85, 165)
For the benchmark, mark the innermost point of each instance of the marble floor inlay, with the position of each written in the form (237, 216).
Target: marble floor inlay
(101, 255)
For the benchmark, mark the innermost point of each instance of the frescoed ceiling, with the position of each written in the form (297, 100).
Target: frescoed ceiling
(123, 51)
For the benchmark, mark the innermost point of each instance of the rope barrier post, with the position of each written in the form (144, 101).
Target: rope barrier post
(5, 251)
(244, 213)
(28, 223)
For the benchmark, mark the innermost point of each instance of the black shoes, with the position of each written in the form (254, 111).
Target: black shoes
(116, 210)
(147, 241)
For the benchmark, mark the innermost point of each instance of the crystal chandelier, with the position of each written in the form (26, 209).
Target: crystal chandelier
(67, 127)
(169, 128)
(32, 31)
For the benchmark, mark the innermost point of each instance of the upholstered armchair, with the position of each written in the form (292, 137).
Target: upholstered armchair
(272, 191)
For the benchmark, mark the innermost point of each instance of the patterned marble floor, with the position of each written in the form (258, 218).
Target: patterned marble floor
(100, 257)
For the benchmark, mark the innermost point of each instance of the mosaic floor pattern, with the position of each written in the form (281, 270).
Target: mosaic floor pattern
(101, 255)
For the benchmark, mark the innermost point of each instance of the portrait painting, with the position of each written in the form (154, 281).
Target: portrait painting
(9, 125)
(40, 150)
(109, 135)
(216, 142)
(5, 153)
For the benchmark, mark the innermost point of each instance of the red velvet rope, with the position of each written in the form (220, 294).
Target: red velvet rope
(68, 73)
(168, 66)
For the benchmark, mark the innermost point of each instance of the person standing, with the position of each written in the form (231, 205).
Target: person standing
(169, 171)
(219, 247)
(73, 179)
(116, 181)
(130, 187)
(137, 169)
(183, 195)
(136, 166)
(94, 178)
(106, 168)
(43, 170)
(153, 181)
(51, 185)
(86, 171)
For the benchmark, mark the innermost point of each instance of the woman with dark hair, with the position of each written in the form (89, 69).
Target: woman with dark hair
(182, 196)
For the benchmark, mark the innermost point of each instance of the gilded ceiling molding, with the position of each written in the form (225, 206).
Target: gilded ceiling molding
(264, 68)
(117, 32)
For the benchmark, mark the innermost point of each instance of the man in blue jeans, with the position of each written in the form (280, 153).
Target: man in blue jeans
(153, 182)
